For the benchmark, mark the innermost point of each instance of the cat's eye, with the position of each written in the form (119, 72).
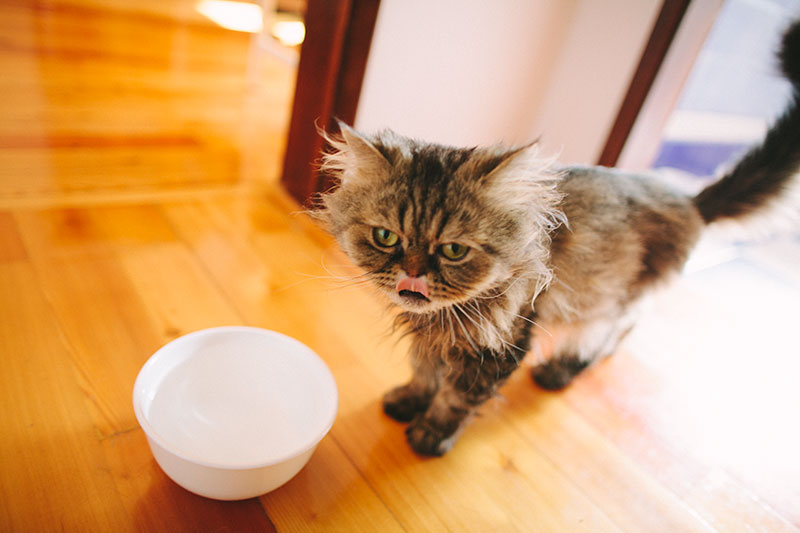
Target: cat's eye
(384, 237)
(454, 251)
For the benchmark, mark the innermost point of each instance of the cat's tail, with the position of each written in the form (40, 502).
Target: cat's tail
(767, 170)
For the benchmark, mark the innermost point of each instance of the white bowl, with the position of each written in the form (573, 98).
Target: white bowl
(234, 412)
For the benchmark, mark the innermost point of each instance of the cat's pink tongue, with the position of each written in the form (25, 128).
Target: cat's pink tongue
(414, 285)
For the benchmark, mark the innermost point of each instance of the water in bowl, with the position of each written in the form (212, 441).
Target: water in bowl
(237, 406)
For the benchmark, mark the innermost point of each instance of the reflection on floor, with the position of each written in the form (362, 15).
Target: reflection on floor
(727, 350)
(114, 98)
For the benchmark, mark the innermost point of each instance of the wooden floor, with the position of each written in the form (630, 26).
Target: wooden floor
(129, 215)
(133, 97)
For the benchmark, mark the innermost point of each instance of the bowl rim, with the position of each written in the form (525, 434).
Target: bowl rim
(151, 433)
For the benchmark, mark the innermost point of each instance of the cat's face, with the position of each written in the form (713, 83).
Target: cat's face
(424, 221)
(423, 259)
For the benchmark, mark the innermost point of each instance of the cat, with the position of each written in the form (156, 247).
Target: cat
(491, 252)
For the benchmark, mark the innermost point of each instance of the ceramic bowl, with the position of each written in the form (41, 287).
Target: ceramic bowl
(234, 412)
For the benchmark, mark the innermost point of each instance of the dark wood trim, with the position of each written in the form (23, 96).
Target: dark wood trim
(664, 30)
(329, 76)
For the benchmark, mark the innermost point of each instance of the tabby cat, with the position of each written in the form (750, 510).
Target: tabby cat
(491, 252)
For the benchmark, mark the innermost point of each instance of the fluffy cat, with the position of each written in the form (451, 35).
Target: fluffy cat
(490, 252)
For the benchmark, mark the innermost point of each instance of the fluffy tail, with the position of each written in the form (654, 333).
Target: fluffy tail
(767, 170)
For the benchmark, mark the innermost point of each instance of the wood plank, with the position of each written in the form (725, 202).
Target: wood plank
(201, 95)
(121, 286)
(106, 324)
(623, 489)
(702, 374)
(727, 505)
(492, 480)
(11, 247)
(93, 269)
(275, 272)
(54, 473)
(154, 503)
(77, 32)
(329, 494)
(81, 169)
(622, 403)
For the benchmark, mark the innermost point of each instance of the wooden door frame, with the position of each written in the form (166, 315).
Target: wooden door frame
(661, 37)
(329, 76)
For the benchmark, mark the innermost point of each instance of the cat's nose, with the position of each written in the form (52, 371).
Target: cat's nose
(413, 286)
(414, 264)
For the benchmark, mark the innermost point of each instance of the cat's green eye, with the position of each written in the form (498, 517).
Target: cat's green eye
(454, 251)
(384, 237)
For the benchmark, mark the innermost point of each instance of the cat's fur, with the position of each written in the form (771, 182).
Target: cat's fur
(558, 258)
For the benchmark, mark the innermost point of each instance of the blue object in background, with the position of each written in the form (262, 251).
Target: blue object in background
(698, 158)
(735, 74)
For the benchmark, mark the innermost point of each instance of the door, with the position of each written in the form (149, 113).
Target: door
(329, 76)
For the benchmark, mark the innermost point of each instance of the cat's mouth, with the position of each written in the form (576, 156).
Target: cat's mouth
(414, 296)
(413, 291)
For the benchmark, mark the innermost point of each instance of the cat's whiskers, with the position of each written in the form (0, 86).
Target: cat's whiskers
(510, 347)
(481, 328)
(459, 307)
(533, 323)
(488, 326)
(351, 282)
(368, 279)
(491, 336)
(463, 328)
(479, 353)
(514, 281)
(470, 305)
(477, 325)
(451, 329)
(326, 269)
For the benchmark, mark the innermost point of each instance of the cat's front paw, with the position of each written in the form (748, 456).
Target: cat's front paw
(427, 439)
(404, 403)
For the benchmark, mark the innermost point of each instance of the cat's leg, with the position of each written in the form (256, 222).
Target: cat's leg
(558, 371)
(573, 347)
(405, 402)
(470, 382)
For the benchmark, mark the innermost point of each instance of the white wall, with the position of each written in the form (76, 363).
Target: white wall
(601, 52)
(468, 72)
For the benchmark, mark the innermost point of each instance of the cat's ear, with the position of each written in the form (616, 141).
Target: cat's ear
(354, 157)
(521, 173)
(527, 182)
